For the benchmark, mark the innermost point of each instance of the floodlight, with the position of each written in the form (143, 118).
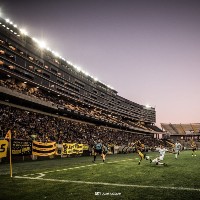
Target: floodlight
(41, 44)
(69, 63)
(96, 79)
(23, 31)
(55, 53)
(86, 73)
(78, 68)
(148, 106)
(34, 39)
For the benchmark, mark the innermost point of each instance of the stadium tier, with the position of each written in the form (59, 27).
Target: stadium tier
(182, 129)
(34, 77)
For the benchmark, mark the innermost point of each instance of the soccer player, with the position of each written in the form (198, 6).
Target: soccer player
(177, 148)
(157, 160)
(194, 148)
(97, 149)
(104, 152)
(139, 147)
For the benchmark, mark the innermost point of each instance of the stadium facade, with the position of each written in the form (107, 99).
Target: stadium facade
(38, 69)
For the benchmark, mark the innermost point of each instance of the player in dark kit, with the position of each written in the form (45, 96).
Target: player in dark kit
(139, 148)
(104, 152)
(97, 149)
(194, 148)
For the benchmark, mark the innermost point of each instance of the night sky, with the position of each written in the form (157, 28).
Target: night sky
(149, 51)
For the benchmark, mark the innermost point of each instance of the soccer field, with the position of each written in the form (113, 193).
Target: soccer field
(120, 177)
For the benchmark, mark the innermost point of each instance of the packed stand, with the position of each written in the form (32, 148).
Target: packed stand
(30, 125)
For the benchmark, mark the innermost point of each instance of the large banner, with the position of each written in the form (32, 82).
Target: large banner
(68, 148)
(43, 149)
(78, 149)
(72, 148)
(21, 147)
(3, 148)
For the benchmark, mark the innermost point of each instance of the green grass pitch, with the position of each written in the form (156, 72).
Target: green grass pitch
(120, 177)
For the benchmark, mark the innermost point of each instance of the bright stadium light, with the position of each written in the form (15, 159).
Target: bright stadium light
(86, 73)
(69, 63)
(110, 87)
(23, 31)
(42, 44)
(55, 54)
(7, 20)
(96, 79)
(78, 68)
(147, 106)
(34, 39)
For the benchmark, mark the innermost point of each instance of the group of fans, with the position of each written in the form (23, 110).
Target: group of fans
(102, 150)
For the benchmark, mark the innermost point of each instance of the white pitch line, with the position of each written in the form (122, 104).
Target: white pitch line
(112, 184)
(41, 175)
(58, 170)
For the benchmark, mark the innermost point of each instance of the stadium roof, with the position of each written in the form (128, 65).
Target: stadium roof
(181, 129)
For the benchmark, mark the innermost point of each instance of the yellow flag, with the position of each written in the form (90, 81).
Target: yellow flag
(8, 135)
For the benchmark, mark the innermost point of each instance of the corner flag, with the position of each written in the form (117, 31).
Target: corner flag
(8, 135)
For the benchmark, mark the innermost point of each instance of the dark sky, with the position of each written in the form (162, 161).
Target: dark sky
(149, 51)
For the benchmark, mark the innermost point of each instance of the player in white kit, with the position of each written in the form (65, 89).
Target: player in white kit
(177, 148)
(160, 158)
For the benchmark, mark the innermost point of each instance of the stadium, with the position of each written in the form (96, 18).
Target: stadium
(52, 116)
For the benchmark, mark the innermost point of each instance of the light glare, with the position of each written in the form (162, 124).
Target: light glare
(42, 44)
(23, 31)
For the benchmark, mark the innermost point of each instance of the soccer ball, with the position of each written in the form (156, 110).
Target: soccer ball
(147, 157)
